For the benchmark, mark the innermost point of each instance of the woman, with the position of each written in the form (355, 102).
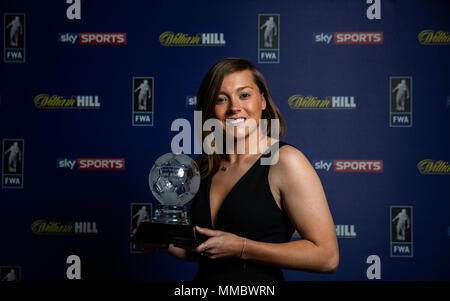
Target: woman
(248, 210)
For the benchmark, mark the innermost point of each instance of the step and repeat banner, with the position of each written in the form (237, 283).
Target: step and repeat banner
(89, 91)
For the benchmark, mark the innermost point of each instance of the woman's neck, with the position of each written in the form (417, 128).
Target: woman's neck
(244, 149)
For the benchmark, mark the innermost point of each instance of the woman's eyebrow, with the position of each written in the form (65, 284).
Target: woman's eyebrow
(242, 88)
(238, 89)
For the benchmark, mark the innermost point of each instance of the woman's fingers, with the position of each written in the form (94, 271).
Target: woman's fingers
(208, 232)
(203, 247)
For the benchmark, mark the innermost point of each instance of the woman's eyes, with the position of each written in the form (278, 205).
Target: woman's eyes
(241, 96)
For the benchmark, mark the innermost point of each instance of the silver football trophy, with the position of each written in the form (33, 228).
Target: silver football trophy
(174, 180)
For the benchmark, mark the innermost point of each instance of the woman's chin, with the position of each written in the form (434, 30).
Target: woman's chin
(237, 135)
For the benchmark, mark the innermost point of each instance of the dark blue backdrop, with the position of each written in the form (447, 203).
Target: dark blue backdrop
(360, 201)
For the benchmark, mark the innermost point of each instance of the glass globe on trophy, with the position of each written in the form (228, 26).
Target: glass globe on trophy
(174, 180)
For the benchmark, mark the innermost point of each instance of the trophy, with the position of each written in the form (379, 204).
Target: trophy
(174, 180)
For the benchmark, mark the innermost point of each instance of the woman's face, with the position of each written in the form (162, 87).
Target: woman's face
(239, 101)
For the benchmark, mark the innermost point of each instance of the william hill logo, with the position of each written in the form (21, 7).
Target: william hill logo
(180, 39)
(429, 37)
(342, 231)
(298, 102)
(75, 228)
(431, 167)
(345, 231)
(45, 101)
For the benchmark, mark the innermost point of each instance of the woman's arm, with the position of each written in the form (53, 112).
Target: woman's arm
(181, 253)
(303, 199)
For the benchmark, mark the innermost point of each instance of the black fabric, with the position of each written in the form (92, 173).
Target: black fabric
(249, 210)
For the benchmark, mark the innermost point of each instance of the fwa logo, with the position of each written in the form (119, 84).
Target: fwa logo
(140, 212)
(400, 101)
(143, 95)
(14, 33)
(268, 38)
(401, 218)
(13, 163)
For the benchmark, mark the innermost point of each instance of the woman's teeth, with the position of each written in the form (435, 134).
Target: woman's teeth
(236, 121)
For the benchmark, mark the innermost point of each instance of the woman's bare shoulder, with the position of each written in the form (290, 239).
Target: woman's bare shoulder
(290, 162)
(290, 156)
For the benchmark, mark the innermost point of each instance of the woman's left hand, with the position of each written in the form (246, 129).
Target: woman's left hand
(219, 244)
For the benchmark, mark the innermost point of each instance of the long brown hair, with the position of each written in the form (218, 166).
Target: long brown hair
(208, 93)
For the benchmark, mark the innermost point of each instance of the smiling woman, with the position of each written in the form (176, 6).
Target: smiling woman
(247, 208)
(239, 100)
(235, 89)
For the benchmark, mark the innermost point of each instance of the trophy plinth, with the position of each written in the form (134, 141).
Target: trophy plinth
(174, 180)
(165, 214)
(176, 234)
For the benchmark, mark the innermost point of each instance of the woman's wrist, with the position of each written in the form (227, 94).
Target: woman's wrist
(164, 247)
(244, 245)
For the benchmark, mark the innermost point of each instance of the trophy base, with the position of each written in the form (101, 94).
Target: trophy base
(177, 234)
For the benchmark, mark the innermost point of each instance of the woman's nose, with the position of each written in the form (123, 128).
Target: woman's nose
(235, 105)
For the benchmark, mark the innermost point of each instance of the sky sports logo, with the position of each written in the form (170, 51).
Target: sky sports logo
(349, 165)
(91, 163)
(93, 38)
(347, 38)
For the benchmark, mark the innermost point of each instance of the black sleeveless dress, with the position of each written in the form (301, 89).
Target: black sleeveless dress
(249, 210)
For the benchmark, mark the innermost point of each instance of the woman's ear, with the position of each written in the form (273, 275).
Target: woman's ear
(263, 103)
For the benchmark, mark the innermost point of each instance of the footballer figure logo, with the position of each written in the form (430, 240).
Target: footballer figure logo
(401, 231)
(13, 154)
(143, 92)
(140, 212)
(14, 28)
(401, 101)
(14, 38)
(144, 96)
(403, 224)
(402, 95)
(9, 273)
(270, 30)
(12, 172)
(268, 38)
